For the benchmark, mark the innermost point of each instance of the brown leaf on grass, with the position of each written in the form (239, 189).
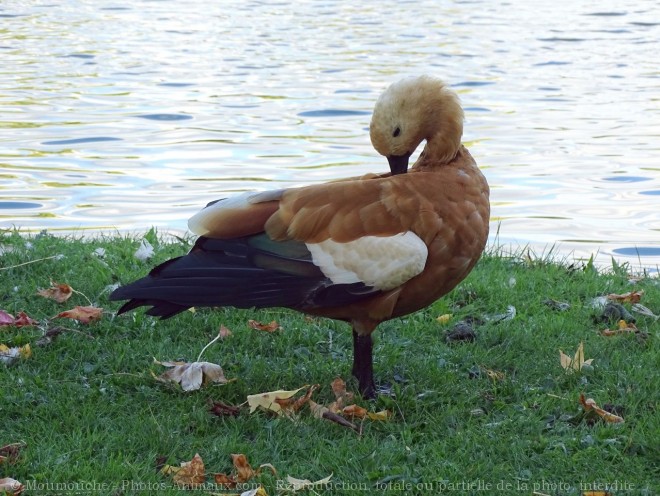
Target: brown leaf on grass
(269, 466)
(244, 471)
(576, 363)
(221, 409)
(623, 327)
(58, 292)
(85, 315)
(191, 376)
(7, 319)
(630, 297)
(191, 474)
(589, 404)
(354, 411)
(225, 481)
(24, 320)
(291, 405)
(223, 332)
(322, 412)
(596, 493)
(271, 327)
(11, 486)
(342, 397)
(269, 401)
(10, 452)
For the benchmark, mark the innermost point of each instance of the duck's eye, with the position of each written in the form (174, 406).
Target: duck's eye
(396, 132)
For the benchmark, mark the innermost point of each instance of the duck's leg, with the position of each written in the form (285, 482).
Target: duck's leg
(363, 364)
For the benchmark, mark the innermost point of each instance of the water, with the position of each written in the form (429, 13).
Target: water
(118, 115)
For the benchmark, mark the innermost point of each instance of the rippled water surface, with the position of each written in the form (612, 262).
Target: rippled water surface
(125, 115)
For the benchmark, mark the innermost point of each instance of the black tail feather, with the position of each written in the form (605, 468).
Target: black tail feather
(244, 273)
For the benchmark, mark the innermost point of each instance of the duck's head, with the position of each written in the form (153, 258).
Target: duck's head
(411, 111)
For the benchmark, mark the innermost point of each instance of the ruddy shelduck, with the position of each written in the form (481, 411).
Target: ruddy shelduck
(362, 250)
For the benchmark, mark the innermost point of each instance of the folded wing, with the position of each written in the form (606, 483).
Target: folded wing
(317, 247)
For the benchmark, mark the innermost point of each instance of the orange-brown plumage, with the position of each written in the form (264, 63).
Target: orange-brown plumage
(362, 250)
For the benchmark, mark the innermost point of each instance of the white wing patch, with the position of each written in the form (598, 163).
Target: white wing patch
(199, 222)
(383, 262)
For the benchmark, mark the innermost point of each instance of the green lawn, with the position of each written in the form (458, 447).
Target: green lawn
(89, 411)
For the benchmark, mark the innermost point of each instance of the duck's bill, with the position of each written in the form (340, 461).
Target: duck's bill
(398, 163)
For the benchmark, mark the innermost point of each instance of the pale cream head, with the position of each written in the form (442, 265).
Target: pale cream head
(413, 110)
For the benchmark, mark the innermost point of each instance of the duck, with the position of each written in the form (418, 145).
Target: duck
(362, 250)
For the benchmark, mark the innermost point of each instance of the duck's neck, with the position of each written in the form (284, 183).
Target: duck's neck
(444, 137)
(441, 148)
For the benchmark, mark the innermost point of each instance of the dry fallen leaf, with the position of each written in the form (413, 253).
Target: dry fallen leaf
(271, 327)
(7, 319)
(322, 412)
(224, 481)
(10, 452)
(339, 406)
(576, 363)
(590, 404)
(24, 320)
(58, 292)
(223, 332)
(623, 327)
(291, 405)
(10, 355)
(341, 395)
(641, 309)
(243, 470)
(221, 409)
(354, 411)
(496, 375)
(295, 485)
(11, 486)
(85, 315)
(269, 400)
(630, 297)
(383, 415)
(269, 466)
(166, 469)
(191, 376)
(191, 474)
(50, 335)
(443, 319)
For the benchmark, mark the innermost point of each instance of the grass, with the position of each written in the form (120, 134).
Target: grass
(89, 411)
